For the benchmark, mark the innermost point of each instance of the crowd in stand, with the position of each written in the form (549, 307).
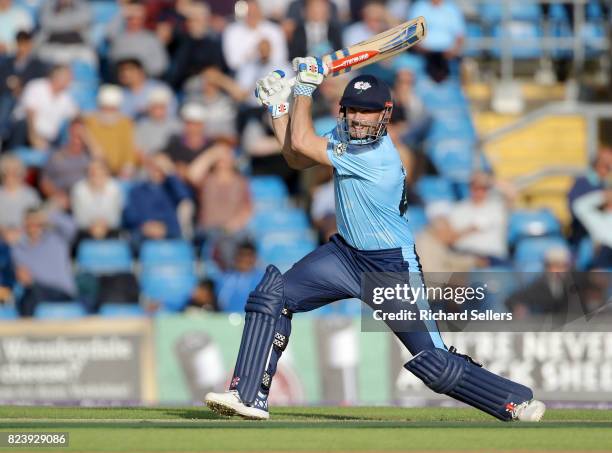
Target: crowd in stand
(165, 144)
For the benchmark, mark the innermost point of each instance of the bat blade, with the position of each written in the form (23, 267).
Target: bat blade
(378, 47)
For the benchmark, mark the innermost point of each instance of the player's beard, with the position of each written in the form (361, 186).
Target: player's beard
(359, 130)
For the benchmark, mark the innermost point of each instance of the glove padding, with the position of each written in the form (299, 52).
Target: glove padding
(273, 89)
(310, 74)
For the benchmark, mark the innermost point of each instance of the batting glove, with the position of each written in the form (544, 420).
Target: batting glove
(274, 91)
(310, 74)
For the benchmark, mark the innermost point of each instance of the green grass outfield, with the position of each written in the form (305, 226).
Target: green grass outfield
(355, 429)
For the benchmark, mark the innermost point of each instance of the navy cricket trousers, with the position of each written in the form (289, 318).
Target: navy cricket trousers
(333, 272)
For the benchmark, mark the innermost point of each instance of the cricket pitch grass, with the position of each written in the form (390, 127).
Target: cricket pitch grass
(309, 429)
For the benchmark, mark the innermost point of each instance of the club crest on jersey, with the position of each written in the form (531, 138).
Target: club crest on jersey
(362, 86)
(340, 149)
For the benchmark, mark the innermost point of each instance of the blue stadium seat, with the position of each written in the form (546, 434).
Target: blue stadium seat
(59, 310)
(585, 254)
(31, 157)
(284, 257)
(8, 312)
(524, 38)
(166, 252)
(171, 285)
(561, 29)
(530, 252)
(122, 311)
(451, 123)
(104, 256)
(84, 72)
(268, 192)
(557, 13)
(492, 12)
(285, 238)
(279, 220)
(474, 33)
(417, 218)
(454, 160)
(498, 283)
(103, 12)
(446, 95)
(594, 11)
(529, 223)
(85, 96)
(593, 36)
(435, 188)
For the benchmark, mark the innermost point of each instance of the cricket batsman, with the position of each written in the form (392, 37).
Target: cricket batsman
(373, 236)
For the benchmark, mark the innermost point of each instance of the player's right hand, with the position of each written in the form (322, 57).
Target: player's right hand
(273, 89)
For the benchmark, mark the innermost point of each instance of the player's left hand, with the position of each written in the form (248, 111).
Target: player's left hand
(273, 89)
(310, 74)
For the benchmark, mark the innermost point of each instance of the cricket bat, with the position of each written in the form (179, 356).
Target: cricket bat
(379, 47)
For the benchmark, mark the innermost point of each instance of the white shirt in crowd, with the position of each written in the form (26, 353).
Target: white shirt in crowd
(89, 206)
(323, 201)
(491, 219)
(240, 43)
(51, 110)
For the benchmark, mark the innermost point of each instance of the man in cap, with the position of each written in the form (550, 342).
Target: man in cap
(373, 237)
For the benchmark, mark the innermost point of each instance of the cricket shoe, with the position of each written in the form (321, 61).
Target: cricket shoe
(229, 403)
(529, 411)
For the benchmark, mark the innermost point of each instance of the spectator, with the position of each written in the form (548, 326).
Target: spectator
(16, 197)
(258, 66)
(219, 95)
(13, 19)
(185, 147)
(15, 72)
(155, 129)
(446, 30)
(236, 284)
(240, 39)
(68, 165)
(224, 201)
(594, 211)
(260, 144)
(435, 243)
(317, 34)
(46, 105)
(558, 291)
(197, 48)
(7, 273)
(42, 260)
(414, 111)
(64, 32)
(136, 42)
(374, 19)
(323, 207)
(137, 88)
(479, 223)
(97, 202)
(153, 206)
(111, 133)
(592, 181)
(203, 297)
(296, 11)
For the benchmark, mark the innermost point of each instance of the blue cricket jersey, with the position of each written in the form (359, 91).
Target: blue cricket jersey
(369, 183)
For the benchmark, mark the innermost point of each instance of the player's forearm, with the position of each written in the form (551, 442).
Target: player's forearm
(304, 140)
(282, 131)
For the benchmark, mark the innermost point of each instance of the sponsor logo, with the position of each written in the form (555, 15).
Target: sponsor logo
(339, 149)
(352, 60)
(510, 407)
